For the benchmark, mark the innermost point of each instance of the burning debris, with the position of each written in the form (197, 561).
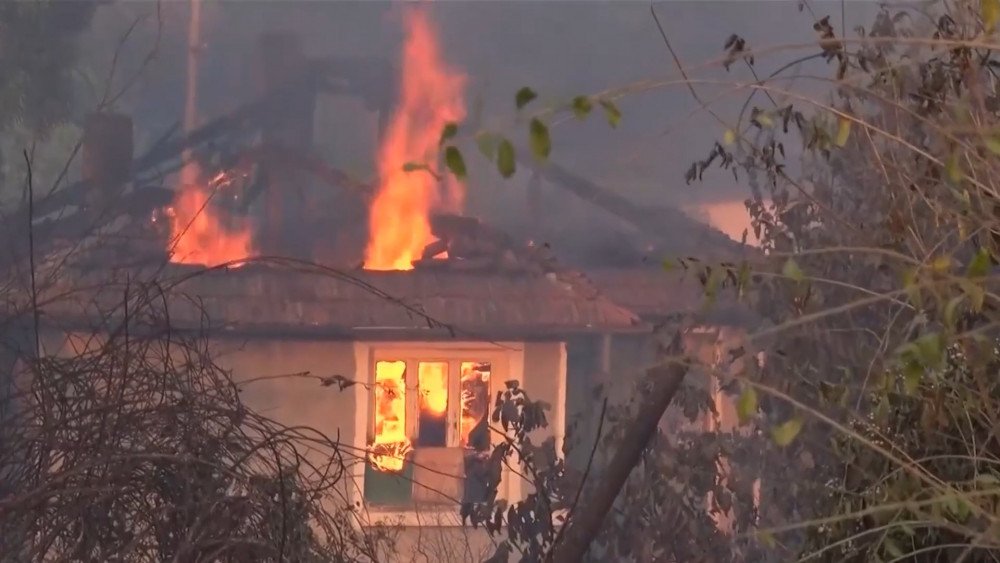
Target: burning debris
(465, 243)
(199, 233)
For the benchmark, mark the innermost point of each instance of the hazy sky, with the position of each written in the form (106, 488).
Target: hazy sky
(560, 49)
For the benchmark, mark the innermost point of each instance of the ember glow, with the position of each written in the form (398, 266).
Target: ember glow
(431, 96)
(432, 430)
(198, 233)
(433, 388)
(391, 444)
(475, 400)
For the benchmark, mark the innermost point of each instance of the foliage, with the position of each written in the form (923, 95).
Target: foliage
(872, 423)
(134, 446)
(671, 504)
(880, 233)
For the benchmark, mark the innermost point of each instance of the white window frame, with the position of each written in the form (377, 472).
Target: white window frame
(507, 364)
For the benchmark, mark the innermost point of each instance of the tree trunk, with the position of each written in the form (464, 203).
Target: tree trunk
(585, 523)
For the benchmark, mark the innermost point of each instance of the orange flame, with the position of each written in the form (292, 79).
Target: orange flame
(475, 398)
(197, 233)
(431, 97)
(433, 377)
(391, 443)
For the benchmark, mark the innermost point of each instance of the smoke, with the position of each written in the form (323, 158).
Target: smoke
(560, 49)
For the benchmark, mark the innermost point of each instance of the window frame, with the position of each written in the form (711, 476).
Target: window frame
(506, 363)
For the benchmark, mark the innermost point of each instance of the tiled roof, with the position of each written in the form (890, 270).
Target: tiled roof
(264, 299)
(653, 293)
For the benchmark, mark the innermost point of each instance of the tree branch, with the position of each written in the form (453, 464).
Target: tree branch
(582, 529)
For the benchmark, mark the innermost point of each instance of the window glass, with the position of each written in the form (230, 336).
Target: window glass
(390, 444)
(474, 434)
(388, 476)
(474, 423)
(447, 460)
(432, 419)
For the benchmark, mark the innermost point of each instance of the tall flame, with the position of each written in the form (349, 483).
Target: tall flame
(198, 234)
(391, 443)
(433, 380)
(431, 96)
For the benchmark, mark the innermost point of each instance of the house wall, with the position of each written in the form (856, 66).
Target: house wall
(281, 379)
(628, 357)
(278, 380)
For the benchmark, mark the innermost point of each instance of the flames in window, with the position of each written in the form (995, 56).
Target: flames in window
(391, 444)
(433, 414)
(433, 417)
(474, 431)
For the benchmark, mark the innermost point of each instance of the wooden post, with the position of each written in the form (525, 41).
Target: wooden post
(107, 157)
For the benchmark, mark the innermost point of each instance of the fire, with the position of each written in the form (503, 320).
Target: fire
(433, 378)
(391, 443)
(475, 398)
(198, 234)
(431, 97)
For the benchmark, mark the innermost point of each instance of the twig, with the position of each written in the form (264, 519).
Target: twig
(586, 471)
(31, 250)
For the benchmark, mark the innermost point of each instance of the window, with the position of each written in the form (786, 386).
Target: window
(429, 438)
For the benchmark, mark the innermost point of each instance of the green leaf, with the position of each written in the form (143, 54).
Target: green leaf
(911, 287)
(792, 271)
(743, 277)
(487, 143)
(746, 405)
(993, 143)
(990, 10)
(843, 131)
(913, 374)
(930, 350)
(951, 311)
(582, 106)
(524, 97)
(892, 549)
(541, 144)
(962, 510)
(766, 538)
(715, 277)
(669, 265)
(729, 137)
(612, 112)
(454, 161)
(449, 131)
(980, 264)
(764, 120)
(977, 295)
(414, 166)
(785, 433)
(941, 264)
(953, 167)
(505, 159)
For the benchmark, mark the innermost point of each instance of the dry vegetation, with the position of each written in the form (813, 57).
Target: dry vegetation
(874, 423)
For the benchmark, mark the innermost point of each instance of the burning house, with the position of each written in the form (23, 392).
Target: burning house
(417, 316)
